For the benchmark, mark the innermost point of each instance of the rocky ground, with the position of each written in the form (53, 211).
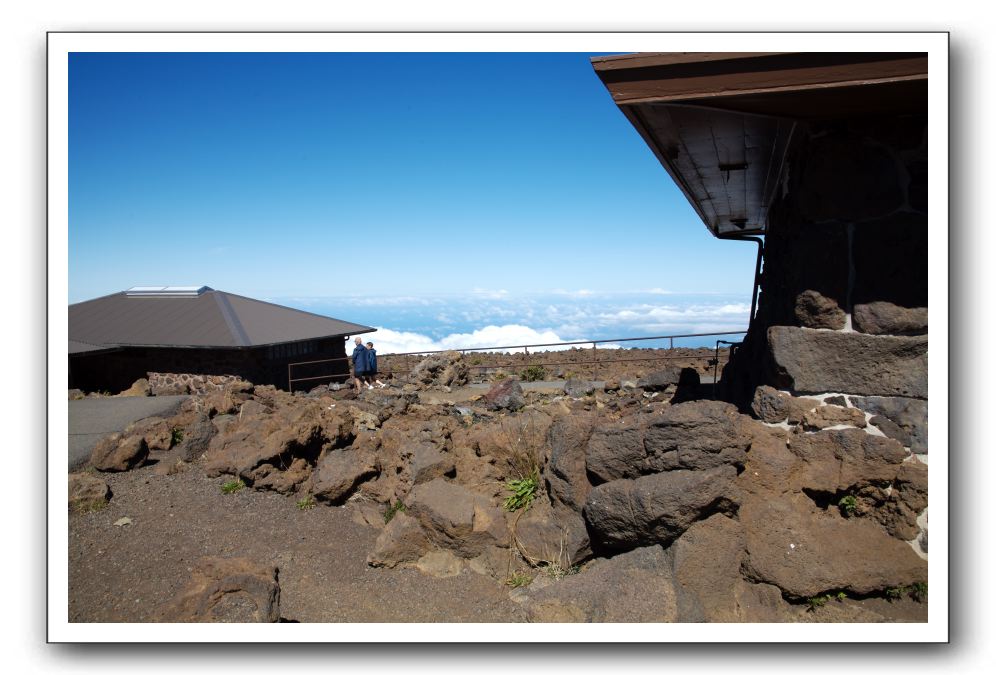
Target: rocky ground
(633, 501)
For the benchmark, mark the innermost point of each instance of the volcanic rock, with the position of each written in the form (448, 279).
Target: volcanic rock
(441, 370)
(904, 419)
(87, 492)
(227, 590)
(885, 318)
(118, 452)
(838, 460)
(457, 519)
(505, 395)
(567, 478)
(340, 472)
(826, 416)
(156, 432)
(806, 552)
(624, 514)
(695, 435)
(706, 561)
(552, 535)
(810, 360)
(631, 587)
(576, 388)
(773, 406)
(814, 310)
(401, 541)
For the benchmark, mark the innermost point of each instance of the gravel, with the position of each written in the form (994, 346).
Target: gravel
(126, 573)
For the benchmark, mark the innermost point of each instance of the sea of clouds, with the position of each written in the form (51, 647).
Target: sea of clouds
(497, 318)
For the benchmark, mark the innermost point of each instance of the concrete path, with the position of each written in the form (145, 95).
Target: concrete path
(90, 419)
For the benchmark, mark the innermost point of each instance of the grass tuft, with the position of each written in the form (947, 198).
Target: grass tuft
(306, 503)
(232, 486)
(392, 510)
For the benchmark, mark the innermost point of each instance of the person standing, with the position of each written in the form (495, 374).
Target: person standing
(372, 367)
(359, 364)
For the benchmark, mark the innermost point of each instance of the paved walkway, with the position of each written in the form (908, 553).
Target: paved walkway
(90, 419)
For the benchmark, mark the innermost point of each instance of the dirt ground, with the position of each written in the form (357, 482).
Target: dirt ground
(125, 573)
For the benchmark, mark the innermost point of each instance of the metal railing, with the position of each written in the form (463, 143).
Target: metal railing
(592, 365)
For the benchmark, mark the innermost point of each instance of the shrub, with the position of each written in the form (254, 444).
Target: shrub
(306, 503)
(533, 374)
(175, 436)
(848, 505)
(232, 486)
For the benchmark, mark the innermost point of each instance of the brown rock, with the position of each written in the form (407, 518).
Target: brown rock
(695, 435)
(456, 519)
(904, 419)
(839, 460)
(428, 463)
(227, 590)
(549, 535)
(616, 451)
(567, 478)
(773, 406)
(809, 360)
(505, 395)
(277, 438)
(826, 416)
(119, 453)
(624, 514)
(807, 552)
(441, 370)
(814, 310)
(156, 431)
(401, 541)
(340, 472)
(268, 477)
(139, 388)
(885, 318)
(631, 587)
(87, 492)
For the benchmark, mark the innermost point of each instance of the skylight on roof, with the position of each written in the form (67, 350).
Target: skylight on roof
(166, 291)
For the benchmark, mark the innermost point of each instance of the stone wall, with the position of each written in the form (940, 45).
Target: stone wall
(165, 384)
(843, 302)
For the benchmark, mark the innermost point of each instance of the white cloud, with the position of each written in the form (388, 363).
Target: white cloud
(389, 341)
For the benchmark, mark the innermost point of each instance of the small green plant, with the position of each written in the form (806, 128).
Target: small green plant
(306, 503)
(175, 436)
(232, 486)
(848, 505)
(89, 506)
(556, 571)
(523, 491)
(500, 375)
(393, 510)
(816, 602)
(517, 580)
(476, 361)
(896, 592)
(919, 591)
(533, 374)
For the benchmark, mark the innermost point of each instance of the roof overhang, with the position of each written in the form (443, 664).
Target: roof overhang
(721, 123)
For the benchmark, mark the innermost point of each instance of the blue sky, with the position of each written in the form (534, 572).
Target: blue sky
(303, 178)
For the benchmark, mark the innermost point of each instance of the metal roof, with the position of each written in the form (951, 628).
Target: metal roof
(209, 318)
(721, 123)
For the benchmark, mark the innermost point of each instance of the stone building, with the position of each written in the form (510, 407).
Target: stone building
(187, 338)
(820, 160)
